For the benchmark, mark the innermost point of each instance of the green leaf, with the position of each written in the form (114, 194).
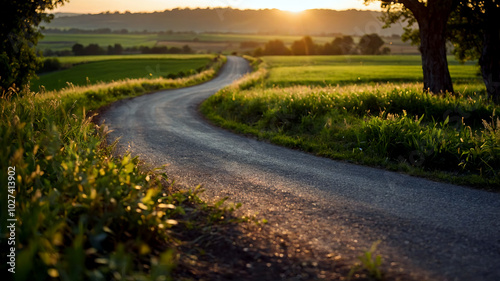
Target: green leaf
(129, 168)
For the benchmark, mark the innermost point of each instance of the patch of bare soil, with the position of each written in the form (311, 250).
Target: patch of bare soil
(251, 251)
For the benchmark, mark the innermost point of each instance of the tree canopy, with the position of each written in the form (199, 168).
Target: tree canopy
(370, 44)
(19, 34)
(304, 46)
(431, 17)
(474, 30)
(472, 26)
(276, 48)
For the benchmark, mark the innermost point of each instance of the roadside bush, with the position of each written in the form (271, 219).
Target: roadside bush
(50, 64)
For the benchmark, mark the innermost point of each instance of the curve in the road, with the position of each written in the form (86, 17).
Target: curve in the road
(438, 231)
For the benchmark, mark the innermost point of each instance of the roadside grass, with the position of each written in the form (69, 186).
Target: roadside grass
(82, 213)
(106, 70)
(454, 138)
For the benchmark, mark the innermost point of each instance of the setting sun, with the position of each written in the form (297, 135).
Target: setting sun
(296, 8)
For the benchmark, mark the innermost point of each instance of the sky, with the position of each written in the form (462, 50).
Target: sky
(98, 6)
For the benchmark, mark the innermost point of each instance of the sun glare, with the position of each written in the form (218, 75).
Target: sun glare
(295, 11)
(294, 8)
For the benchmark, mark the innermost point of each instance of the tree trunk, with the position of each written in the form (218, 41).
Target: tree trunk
(490, 57)
(432, 27)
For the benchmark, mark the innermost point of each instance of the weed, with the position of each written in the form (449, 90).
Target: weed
(369, 263)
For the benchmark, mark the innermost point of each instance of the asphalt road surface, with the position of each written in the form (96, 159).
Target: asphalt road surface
(430, 230)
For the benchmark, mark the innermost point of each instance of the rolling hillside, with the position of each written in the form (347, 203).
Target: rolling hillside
(312, 22)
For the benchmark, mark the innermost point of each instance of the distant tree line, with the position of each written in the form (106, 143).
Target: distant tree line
(53, 64)
(111, 31)
(369, 44)
(117, 49)
(85, 31)
(472, 26)
(164, 50)
(249, 44)
(50, 64)
(95, 50)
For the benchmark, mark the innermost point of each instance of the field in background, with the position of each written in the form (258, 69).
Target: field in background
(59, 42)
(83, 59)
(227, 43)
(202, 42)
(369, 110)
(333, 70)
(88, 70)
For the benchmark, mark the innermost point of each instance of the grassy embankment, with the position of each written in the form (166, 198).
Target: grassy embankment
(81, 212)
(88, 70)
(369, 110)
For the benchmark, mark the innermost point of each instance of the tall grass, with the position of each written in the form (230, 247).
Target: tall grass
(83, 214)
(451, 137)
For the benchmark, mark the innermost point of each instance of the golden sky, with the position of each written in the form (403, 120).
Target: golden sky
(97, 6)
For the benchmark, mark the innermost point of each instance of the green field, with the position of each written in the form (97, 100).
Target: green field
(213, 41)
(333, 70)
(94, 69)
(369, 110)
(83, 59)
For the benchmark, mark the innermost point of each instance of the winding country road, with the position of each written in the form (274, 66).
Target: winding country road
(430, 230)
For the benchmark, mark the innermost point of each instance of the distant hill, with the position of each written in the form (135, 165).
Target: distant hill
(60, 15)
(310, 22)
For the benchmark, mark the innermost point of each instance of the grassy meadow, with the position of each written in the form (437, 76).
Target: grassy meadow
(344, 70)
(82, 212)
(88, 70)
(382, 119)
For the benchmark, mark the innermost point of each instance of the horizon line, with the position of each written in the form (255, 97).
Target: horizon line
(213, 8)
